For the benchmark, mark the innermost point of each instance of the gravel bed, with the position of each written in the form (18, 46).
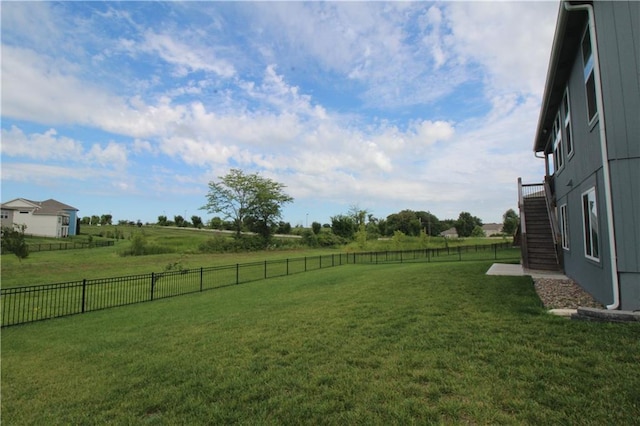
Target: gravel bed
(563, 294)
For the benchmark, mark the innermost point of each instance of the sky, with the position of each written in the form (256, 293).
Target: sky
(132, 108)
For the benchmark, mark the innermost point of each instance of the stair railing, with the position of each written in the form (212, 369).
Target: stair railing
(523, 226)
(555, 229)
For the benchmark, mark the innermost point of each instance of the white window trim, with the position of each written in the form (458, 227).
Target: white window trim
(564, 227)
(584, 223)
(558, 148)
(567, 122)
(588, 69)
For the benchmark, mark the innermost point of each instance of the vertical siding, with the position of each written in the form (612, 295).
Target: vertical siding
(593, 276)
(619, 45)
(618, 25)
(625, 178)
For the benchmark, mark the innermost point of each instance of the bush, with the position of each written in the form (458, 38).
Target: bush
(140, 247)
(13, 241)
(309, 238)
(329, 239)
(240, 243)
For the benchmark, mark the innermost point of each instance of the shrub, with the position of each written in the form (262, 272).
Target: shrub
(140, 247)
(329, 239)
(13, 241)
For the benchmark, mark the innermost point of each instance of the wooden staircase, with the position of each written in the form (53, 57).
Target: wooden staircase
(541, 248)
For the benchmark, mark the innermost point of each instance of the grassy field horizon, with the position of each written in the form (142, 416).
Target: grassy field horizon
(46, 267)
(364, 344)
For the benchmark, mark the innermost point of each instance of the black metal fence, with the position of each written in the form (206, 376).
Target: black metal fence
(35, 247)
(34, 303)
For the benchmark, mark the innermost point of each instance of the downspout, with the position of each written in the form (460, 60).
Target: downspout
(603, 151)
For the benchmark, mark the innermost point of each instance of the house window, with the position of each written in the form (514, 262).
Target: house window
(558, 155)
(566, 110)
(589, 76)
(564, 229)
(590, 219)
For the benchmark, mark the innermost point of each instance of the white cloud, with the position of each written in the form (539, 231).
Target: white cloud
(39, 146)
(50, 147)
(501, 37)
(186, 57)
(114, 155)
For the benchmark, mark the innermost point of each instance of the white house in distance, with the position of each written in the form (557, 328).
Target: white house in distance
(48, 218)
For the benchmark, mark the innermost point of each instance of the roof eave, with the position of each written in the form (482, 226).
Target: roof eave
(540, 140)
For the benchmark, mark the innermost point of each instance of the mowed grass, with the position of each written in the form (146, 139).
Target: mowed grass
(361, 344)
(49, 267)
(70, 265)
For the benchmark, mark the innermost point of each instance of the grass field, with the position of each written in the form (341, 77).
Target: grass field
(69, 265)
(361, 344)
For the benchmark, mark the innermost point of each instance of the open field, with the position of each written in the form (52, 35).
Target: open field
(360, 344)
(71, 265)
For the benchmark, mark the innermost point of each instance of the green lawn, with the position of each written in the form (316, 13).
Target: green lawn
(360, 344)
(48, 267)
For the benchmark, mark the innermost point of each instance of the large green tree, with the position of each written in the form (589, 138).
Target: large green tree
(266, 205)
(466, 223)
(404, 221)
(343, 226)
(242, 197)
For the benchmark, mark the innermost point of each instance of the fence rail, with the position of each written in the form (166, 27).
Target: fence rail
(35, 247)
(39, 302)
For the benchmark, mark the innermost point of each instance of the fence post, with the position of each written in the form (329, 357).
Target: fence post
(265, 269)
(332, 260)
(84, 292)
(237, 273)
(153, 283)
(305, 263)
(287, 266)
(200, 278)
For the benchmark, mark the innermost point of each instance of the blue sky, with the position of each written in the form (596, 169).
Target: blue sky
(131, 108)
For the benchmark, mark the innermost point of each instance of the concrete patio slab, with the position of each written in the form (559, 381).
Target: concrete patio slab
(516, 270)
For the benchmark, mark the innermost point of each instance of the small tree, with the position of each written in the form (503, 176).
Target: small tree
(316, 227)
(343, 226)
(105, 219)
(162, 220)
(196, 221)
(510, 222)
(466, 223)
(241, 196)
(361, 236)
(179, 220)
(13, 241)
(478, 232)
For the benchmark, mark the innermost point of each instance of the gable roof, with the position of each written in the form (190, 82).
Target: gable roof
(47, 207)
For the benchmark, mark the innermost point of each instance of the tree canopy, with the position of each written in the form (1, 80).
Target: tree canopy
(510, 222)
(466, 223)
(247, 198)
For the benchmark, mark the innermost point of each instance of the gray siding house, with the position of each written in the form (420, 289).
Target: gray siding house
(588, 134)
